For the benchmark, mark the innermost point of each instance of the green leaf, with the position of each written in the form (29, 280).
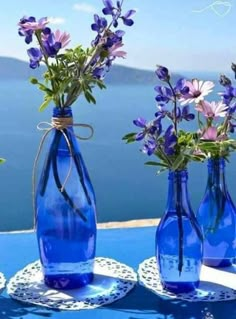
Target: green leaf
(45, 104)
(178, 161)
(151, 163)
(161, 171)
(33, 80)
(2, 160)
(130, 140)
(101, 85)
(128, 136)
(89, 97)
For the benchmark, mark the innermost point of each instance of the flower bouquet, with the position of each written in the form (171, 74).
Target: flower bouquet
(174, 148)
(65, 200)
(216, 214)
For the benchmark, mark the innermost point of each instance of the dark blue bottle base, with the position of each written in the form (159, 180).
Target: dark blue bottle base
(180, 287)
(217, 263)
(68, 281)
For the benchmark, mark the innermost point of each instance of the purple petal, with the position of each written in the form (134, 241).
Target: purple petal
(140, 122)
(128, 22)
(129, 14)
(140, 136)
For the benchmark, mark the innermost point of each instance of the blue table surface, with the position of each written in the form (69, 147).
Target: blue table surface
(130, 246)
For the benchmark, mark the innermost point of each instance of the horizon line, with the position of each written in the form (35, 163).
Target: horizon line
(138, 68)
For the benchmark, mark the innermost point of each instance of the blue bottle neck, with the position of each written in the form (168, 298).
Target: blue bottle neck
(63, 148)
(178, 192)
(62, 112)
(216, 173)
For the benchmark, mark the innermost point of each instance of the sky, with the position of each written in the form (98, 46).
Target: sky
(184, 35)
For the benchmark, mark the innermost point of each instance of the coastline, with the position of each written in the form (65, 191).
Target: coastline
(127, 224)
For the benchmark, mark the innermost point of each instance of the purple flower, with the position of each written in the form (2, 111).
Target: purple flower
(35, 56)
(140, 136)
(161, 113)
(233, 67)
(126, 18)
(111, 10)
(181, 88)
(162, 73)
(197, 91)
(115, 52)
(212, 109)
(232, 108)
(210, 134)
(99, 73)
(111, 39)
(30, 24)
(52, 45)
(186, 114)
(164, 94)
(140, 122)
(99, 25)
(229, 94)
(115, 12)
(28, 34)
(224, 81)
(170, 140)
(158, 126)
(149, 147)
(232, 127)
(62, 37)
(108, 10)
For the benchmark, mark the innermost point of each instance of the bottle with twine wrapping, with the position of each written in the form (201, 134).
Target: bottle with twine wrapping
(65, 212)
(64, 200)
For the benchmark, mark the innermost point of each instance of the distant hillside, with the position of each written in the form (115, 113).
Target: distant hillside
(14, 69)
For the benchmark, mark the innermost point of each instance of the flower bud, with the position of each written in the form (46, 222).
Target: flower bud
(233, 67)
(224, 80)
(163, 73)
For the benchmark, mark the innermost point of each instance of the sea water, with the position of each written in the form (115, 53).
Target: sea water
(125, 188)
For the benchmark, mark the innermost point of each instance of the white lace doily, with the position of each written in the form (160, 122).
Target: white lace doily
(112, 281)
(216, 284)
(2, 281)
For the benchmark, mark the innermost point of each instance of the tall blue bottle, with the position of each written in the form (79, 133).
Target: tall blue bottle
(179, 239)
(217, 218)
(65, 218)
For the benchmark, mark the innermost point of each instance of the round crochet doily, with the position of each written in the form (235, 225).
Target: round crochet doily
(112, 281)
(2, 281)
(215, 285)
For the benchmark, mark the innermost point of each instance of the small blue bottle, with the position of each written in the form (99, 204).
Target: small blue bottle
(65, 218)
(179, 239)
(217, 218)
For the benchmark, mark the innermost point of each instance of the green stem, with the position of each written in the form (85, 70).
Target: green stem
(166, 157)
(180, 223)
(199, 121)
(225, 124)
(38, 36)
(175, 107)
(57, 178)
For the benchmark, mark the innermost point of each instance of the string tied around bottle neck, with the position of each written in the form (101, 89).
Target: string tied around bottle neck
(60, 124)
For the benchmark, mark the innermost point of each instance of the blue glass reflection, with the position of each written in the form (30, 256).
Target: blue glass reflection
(179, 239)
(217, 218)
(66, 219)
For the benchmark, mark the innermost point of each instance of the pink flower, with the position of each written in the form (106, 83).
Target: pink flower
(62, 37)
(213, 109)
(114, 53)
(197, 91)
(34, 25)
(210, 134)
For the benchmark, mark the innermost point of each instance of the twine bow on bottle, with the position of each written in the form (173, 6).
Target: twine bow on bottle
(60, 124)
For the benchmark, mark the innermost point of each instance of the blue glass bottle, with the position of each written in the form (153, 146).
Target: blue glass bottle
(217, 218)
(179, 239)
(65, 219)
